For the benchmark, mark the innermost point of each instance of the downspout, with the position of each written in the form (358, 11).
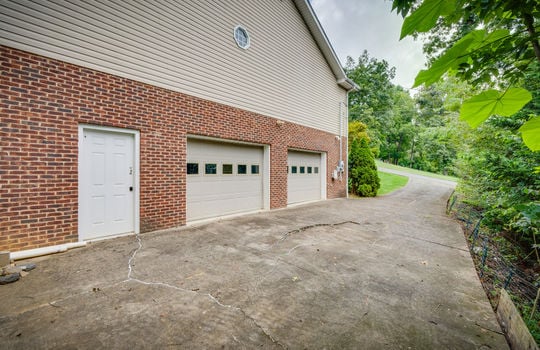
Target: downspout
(347, 150)
(340, 168)
(340, 132)
(32, 253)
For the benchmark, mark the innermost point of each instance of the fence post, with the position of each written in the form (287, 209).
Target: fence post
(453, 198)
(535, 304)
(469, 220)
(475, 233)
(484, 256)
(507, 282)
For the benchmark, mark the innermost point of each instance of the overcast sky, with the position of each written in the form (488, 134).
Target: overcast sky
(357, 25)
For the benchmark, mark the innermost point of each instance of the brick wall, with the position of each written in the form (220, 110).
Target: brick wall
(44, 100)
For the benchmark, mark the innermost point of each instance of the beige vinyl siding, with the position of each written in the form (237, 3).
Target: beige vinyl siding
(188, 46)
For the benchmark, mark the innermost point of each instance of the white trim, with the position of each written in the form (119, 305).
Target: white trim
(222, 217)
(323, 175)
(136, 180)
(266, 177)
(292, 205)
(248, 44)
(97, 239)
(318, 33)
(346, 160)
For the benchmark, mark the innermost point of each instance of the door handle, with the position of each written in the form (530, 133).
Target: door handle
(130, 188)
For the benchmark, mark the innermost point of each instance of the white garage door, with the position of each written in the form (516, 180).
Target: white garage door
(304, 179)
(223, 179)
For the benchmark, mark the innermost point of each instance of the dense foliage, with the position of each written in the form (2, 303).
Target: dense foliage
(421, 132)
(372, 101)
(493, 46)
(426, 133)
(498, 175)
(363, 177)
(490, 44)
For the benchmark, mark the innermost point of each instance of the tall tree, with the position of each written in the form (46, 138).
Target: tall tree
(438, 131)
(374, 81)
(372, 102)
(399, 130)
(488, 43)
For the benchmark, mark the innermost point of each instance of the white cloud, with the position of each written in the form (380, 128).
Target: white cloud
(357, 25)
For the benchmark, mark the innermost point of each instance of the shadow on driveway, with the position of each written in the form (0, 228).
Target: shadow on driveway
(384, 273)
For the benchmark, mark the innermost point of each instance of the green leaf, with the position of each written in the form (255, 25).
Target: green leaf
(530, 132)
(477, 40)
(531, 210)
(452, 58)
(480, 107)
(425, 17)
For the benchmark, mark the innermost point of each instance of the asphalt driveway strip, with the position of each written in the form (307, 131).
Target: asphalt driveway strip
(391, 272)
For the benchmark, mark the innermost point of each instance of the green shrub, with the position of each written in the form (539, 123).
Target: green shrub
(363, 178)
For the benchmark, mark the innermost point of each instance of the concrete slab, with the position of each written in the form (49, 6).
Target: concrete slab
(391, 272)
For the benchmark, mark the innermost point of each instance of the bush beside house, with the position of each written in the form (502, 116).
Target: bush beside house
(363, 178)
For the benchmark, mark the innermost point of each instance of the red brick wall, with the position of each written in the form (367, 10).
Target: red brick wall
(44, 100)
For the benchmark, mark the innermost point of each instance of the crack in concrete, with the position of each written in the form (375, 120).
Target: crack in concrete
(268, 335)
(213, 298)
(283, 238)
(208, 295)
(488, 329)
(56, 301)
(305, 228)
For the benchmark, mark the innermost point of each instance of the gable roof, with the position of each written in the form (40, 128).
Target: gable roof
(314, 26)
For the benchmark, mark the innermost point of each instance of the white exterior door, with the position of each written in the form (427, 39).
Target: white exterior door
(106, 184)
(223, 179)
(304, 178)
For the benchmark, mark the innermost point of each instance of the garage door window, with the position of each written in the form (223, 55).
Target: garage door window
(192, 168)
(210, 169)
(302, 170)
(254, 169)
(294, 170)
(227, 169)
(316, 170)
(309, 170)
(242, 169)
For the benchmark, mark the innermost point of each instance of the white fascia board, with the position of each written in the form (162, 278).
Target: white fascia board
(317, 31)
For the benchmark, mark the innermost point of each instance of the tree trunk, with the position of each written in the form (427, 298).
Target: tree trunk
(529, 23)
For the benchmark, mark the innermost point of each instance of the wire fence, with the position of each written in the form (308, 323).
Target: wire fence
(497, 268)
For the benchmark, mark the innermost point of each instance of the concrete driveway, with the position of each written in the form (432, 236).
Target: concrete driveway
(386, 273)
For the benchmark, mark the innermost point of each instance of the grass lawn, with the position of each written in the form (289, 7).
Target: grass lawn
(382, 166)
(391, 182)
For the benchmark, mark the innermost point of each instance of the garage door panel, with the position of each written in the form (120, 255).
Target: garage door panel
(217, 193)
(211, 195)
(302, 185)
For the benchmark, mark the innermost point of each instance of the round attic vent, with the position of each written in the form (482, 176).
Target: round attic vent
(241, 37)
